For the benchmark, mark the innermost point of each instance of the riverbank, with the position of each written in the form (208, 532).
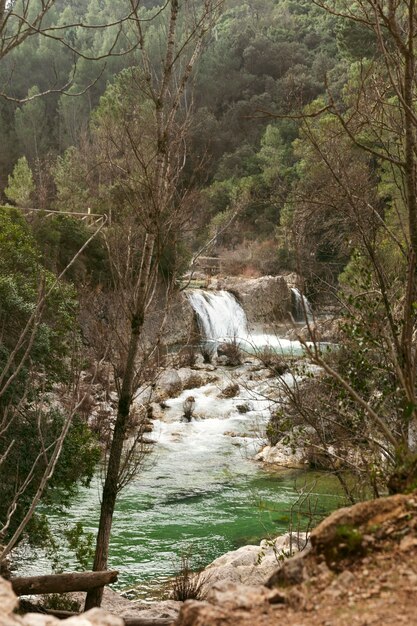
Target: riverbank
(361, 569)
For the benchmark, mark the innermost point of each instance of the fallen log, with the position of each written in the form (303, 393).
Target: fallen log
(62, 583)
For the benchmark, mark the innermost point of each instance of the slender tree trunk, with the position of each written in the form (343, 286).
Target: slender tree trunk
(111, 483)
(411, 196)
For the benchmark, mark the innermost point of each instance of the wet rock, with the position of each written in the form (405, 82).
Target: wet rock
(156, 411)
(230, 391)
(243, 408)
(282, 455)
(190, 378)
(265, 299)
(169, 385)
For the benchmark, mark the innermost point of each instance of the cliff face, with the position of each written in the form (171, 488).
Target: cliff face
(361, 569)
(264, 299)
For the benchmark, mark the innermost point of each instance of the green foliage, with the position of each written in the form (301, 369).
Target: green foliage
(174, 259)
(72, 183)
(60, 238)
(189, 584)
(22, 279)
(32, 424)
(31, 125)
(81, 544)
(20, 184)
(77, 463)
(348, 542)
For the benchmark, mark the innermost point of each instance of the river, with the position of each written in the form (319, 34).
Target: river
(200, 491)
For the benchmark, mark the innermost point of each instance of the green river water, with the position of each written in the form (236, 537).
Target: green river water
(200, 492)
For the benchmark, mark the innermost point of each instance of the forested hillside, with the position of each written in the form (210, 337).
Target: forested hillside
(263, 60)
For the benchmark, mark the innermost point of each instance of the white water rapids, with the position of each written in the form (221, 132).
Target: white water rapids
(219, 315)
(221, 318)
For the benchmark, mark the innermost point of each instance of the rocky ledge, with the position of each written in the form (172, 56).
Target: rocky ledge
(264, 299)
(253, 565)
(361, 569)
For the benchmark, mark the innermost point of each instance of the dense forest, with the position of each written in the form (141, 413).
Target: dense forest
(261, 62)
(276, 135)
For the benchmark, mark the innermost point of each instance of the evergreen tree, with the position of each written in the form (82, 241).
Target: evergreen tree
(21, 185)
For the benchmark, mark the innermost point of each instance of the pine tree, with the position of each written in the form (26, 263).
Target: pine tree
(21, 185)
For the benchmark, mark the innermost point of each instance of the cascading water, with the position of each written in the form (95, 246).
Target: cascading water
(221, 318)
(219, 314)
(301, 306)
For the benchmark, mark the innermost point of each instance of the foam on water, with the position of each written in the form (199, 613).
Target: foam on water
(222, 318)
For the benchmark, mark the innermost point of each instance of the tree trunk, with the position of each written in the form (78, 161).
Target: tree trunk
(110, 488)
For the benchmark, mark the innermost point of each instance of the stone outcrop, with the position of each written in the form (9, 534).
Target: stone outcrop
(264, 299)
(253, 565)
(173, 381)
(326, 330)
(361, 569)
(283, 455)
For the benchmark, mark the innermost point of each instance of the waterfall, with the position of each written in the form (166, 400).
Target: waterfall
(219, 314)
(301, 306)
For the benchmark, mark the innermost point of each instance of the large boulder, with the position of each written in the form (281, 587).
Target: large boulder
(253, 565)
(168, 385)
(283, 455)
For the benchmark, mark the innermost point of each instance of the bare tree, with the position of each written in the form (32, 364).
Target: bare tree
(377, 117)
(150, 171)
